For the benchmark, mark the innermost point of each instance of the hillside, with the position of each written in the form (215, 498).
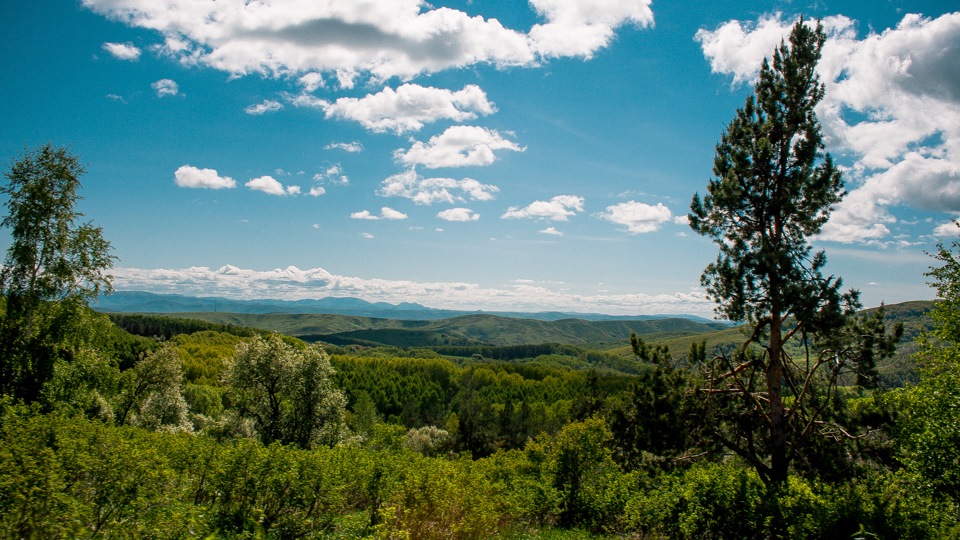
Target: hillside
(463, 330)
(915, 317)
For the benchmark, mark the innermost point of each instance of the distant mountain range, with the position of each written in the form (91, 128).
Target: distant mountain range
(144, 302)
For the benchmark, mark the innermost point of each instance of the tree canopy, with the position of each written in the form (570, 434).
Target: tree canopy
(53, 267)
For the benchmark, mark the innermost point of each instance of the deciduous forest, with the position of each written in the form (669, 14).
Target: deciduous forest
(147, 426)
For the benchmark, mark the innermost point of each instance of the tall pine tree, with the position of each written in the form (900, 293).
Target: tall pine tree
(773, 188)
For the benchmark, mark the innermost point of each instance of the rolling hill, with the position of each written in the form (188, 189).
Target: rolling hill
(458, 331)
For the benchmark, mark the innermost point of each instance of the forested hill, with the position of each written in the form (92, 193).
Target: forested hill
(456, 331)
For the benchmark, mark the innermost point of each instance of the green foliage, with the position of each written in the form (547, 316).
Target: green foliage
(773, 188)
(151, 393)
(653, 424)
(930, 412)
(205, 354)
(591, 487)
(164, 327)
(286, 392)
(52, 268)
(439, 499)
(83, 386)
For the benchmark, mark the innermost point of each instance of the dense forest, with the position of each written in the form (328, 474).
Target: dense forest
(145, 426)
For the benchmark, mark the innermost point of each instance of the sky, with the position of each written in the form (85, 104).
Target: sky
(472, 154)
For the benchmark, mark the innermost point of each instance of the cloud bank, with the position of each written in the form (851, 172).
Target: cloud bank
(292, 283)
(381, 38)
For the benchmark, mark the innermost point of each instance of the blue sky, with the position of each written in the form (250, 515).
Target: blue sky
(473, 154)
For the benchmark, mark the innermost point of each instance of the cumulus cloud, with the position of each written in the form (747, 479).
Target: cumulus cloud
(458, 214)
(638, 218)
(381, 38)
(123, 51)
(949, 229)
(192, 177)
(552, 231)
(292, 283)
(458, 146)
(581, 27)
(559, 208)
(351, 147)
(737, 48)
(166, 87)
(410, 106)
(363, 214)
(332, 175)
(272, 186)
(266, 106)
(410, 185)
(385, 213)
(389, 213)
(891, 107)
(311, 81)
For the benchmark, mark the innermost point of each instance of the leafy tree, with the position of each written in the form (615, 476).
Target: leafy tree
(930, 411)
(286, 391)
(152, 392)
(54, 265)
(773, 189)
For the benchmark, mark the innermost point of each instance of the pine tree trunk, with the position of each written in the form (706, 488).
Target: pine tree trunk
(778, 440)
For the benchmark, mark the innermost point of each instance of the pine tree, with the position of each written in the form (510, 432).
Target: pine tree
(773, 189)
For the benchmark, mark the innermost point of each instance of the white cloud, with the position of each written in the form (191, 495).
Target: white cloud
(581, 27)
(385, 213)
(366, 235)
(559, 208)
(947, 230)
(316, 191)
(410, 106)
(638, 218)
(332, 175)
(891, 107)
(410, 185)
(351, 147)
(192, 177)
(123, 51)
(551, 231)
(389, 213)
(272, 186)
(458, 214)
(383, 39)
(267, 106)
(295, 284)
(166, 87)
(309, 101)
(363, 214)
(458, 146)
(311, 81)
(737, 48)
